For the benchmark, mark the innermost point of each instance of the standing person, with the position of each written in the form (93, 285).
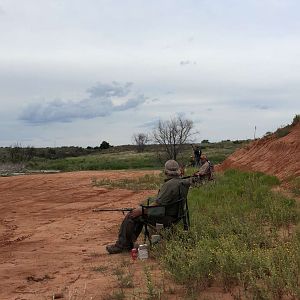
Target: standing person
(197, 155)
(191, 161)
(171, 191)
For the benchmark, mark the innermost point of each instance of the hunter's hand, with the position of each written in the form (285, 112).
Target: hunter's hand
(136, 212)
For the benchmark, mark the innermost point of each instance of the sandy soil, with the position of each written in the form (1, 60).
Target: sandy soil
(50, 239)
(52, 243)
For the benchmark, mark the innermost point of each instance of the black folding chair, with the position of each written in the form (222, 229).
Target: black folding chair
(180, 206)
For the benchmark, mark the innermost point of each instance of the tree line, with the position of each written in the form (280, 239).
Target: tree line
(170, 135)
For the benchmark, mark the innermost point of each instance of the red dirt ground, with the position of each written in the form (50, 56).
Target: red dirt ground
(274, 156)
(50, 240)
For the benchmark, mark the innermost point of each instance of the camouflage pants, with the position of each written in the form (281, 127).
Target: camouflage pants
(131, 228)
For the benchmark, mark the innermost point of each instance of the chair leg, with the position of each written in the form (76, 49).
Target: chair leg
(146, 234)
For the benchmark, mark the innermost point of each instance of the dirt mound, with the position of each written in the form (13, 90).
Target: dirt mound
(279, 156)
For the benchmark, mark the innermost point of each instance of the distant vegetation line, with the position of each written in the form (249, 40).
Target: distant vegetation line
(112, 158)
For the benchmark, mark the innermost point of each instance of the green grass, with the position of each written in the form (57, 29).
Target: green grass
(113, 160)
(295, 183)
(146, 182)
(240, 237)
(100, 269)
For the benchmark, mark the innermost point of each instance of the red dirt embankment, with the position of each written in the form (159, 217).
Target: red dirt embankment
(271, 155)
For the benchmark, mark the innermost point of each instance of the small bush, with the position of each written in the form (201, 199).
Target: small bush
(295, 184)
(283, 131)
(125, 280)
(296, 120)
(236, 239)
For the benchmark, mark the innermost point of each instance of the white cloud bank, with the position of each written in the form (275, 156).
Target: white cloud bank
(98, 104)
(228, 65)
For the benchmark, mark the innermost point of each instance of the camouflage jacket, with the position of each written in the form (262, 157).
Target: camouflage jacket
(171, 191)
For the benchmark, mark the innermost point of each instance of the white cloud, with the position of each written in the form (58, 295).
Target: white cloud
(98, 104)
(224, 61)
(187, 62)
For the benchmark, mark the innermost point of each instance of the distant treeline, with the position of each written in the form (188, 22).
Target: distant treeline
(18, 153)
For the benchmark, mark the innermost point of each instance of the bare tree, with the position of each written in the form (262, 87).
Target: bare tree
(17, 153)
(173, 134)
(140, 140)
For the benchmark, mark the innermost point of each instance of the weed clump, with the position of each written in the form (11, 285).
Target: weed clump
(240, 237)
(146, 182)
(296, 120)
(285, 130)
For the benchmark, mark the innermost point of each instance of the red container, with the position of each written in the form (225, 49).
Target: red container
(134, 253)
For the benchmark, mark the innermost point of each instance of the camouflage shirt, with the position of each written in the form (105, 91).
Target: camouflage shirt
(171, 191)
(204, 169)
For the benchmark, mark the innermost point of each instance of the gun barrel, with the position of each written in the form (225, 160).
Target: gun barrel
(112, 209)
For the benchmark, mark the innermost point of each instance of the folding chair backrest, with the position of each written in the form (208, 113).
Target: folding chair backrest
(181, 207)
(182, 211)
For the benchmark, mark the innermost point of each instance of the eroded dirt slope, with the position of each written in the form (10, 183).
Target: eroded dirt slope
(272, 155)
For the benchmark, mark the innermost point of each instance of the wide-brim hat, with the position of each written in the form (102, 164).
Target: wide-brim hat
(172, 168)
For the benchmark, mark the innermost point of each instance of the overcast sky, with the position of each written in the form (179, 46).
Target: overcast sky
(76, 72)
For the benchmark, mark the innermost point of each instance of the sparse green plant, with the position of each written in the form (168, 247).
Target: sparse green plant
(295, 183)
(100, 269)
(146, 182)
(268, 133)
(152, 291)
(115, 295)
(296, 120)
(94, 254)
(125, 263)
(236, 238)
(283, 131)
(125, 280)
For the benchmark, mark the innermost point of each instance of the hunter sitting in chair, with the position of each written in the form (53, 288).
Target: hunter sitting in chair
(164, 209)
(206, 171)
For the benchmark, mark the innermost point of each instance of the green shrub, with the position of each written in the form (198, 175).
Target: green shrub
(295, 183)
(236, 238)
(117, 158)
(296, 120)
(283, 131)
